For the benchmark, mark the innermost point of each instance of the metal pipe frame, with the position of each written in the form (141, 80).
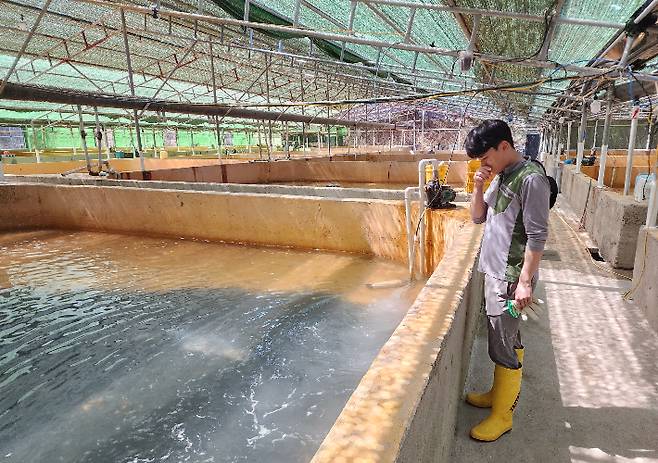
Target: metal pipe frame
(58, 95)
(26, 42)
(346, 76)
(585, 71)
(581, 137)
(138, 134)
(604, 138)
(631, 150)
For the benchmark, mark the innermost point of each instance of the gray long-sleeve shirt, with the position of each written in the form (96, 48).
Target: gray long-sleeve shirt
(516, 216)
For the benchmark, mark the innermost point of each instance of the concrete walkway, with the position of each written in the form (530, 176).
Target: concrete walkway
(590, 389)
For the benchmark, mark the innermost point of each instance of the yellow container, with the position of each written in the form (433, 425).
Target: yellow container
(164, 154)
(443, 173)
(472, 166)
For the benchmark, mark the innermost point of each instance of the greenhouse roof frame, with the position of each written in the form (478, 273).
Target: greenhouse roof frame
(341, 52)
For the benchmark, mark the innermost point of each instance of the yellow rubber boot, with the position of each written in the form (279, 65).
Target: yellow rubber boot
(484, 399)
(507, 385)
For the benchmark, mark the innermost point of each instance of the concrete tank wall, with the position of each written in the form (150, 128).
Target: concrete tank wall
(338, 224)
(612, 220)
(301, 171)
(120, 165)
(645, 274)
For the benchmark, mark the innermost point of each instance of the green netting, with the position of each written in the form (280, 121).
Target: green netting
(579, 44)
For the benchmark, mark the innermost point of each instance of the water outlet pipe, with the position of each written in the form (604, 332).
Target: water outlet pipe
(421, 204)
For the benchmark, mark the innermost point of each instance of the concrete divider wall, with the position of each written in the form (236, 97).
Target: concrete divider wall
(612, 220)
(120, 165)
(645, 274)
(615, 176)
(441, 156)
(375, 227)
(300, 171)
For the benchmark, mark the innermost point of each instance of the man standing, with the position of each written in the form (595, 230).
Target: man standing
(515, 208)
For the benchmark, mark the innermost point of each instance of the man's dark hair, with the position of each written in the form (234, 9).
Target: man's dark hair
(487, 135)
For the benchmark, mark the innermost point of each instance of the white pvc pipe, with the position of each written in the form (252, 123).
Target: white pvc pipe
(653, 205)
(422, 200)
(646, 11)
(579, 155)
(581, 137)
(408, 192)
(602, 162)
(631, 150)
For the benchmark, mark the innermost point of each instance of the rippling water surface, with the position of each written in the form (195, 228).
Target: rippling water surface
(124, 349)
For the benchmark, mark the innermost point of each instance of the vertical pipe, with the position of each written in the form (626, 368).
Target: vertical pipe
(260, 147)
(604, 139)
(73, 145)
(287, 142)
(83, 136)
(34, 142)
(155, 143)
(414, 134)
(422, 127)
(304, 136)
(653, 205)
(98, 134)
(631, 149)
(581, 137)
(131, 82)
(649, 127)
(560, 147)
(390, 133)
(214, 98)
(567, 145)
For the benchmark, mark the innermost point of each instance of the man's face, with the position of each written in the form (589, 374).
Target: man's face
(493, 158)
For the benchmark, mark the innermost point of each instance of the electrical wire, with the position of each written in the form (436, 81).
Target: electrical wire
(409, 98)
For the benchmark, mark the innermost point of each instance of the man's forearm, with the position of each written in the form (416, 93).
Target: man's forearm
(530, 265)
(478, 206)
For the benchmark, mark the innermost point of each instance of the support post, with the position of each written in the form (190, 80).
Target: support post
(98, 135)
(287, 141)
(414, 134)
(34, 142)
(131, 82)
(631, 148)
(581, 137)
(214, 99)
(83, 136)
(653, 206)
(422, 127)
(560, 147)
(600, 183)
(567, 145)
